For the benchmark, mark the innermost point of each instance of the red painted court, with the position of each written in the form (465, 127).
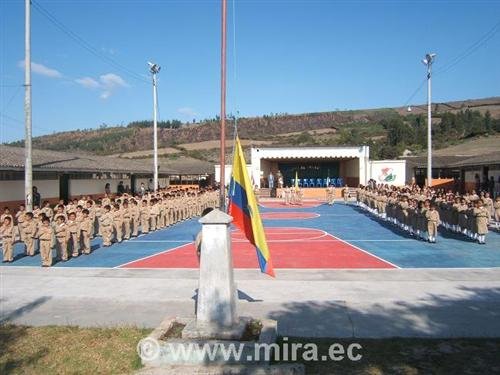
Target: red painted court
(281, 204)
(312, 248)
(288, 215)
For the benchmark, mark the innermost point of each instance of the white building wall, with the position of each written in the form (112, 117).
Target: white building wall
(84, 187)
(392, 172)
(229, 171)
(14, 190)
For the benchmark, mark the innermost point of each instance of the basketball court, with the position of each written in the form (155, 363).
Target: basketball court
(312, 236)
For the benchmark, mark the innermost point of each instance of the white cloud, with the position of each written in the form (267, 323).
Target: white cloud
(187, 112)
(88, 82)
(107, 83)
(105, 94)
(112, 80)
(42, 70)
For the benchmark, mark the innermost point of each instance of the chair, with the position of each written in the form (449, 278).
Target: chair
(319, 182)
(304, 182)
(340, 182)
(312, 183)
(292, 182)
(326, 182)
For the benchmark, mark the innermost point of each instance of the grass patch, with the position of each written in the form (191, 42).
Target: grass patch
(69, 350)
(73, 350)
(407, 356)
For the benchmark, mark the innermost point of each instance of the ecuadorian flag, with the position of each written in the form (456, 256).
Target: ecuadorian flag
(244, 210)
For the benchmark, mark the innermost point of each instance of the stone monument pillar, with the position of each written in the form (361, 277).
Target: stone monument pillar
(216, 315)
(216, 291)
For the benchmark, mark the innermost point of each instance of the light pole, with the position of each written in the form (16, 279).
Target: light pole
(427, 61)
(155, 69)
(28, 172)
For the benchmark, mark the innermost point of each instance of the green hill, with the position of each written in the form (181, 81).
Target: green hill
(388, 131)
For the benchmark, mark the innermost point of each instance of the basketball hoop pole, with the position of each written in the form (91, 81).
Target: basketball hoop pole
(222, 191)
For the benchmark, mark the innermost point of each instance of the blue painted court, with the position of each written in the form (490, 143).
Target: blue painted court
(327, 234)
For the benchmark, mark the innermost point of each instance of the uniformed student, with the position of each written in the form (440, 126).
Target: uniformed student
(345, 194)
(481, 215)
(8, 235)
(106, 226)
(135, 215)
(145, 217)
(86, 226)
(118, 222)
(45, 236)
(74, 237)
(6, 213)
(432, 216)
(127, 217)
(20, 218)
(62, 237)
(496, 206)
(47, 210)
(29, 229)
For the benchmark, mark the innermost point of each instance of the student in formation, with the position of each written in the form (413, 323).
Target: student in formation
(45, 236)
(117, 222)
(496, 207)
(135, 215)
(86, 226)
(127, 219)
(29, 230)
(432, 216)
(345, 194)
(482, 216)
(8, 236)
(62, 237)
(74, 235)
(288, 195)
(106, 226)
(20, 218)
(145, 217)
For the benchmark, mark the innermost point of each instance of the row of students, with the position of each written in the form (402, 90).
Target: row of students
(70, 227)
(421, 211)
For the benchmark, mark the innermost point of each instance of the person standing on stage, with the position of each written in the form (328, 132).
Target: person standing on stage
(270, 180)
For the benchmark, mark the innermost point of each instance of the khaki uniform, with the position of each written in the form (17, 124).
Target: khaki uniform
(145, 219)
(153, 217)
(432, 222)
(8, 234)
(20, 219)
(74, 237)
(106, 228)
(45, 236)
(85, 232)
(118, 225)
(135, 215)
(496, 206)
(62, 237)
(481, 216)
(29, 228)
(127, 218)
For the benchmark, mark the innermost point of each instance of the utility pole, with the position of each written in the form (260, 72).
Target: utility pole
(223, 111)
(28, 165)
(427, 61)
(155, 69)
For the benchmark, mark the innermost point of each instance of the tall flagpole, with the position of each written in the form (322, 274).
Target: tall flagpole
(28, 172)
(223, 112)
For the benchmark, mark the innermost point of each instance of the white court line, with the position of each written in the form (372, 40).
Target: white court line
(150, 256)
(366, 252)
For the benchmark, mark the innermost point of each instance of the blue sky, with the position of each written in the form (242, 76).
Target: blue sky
(291, 56)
